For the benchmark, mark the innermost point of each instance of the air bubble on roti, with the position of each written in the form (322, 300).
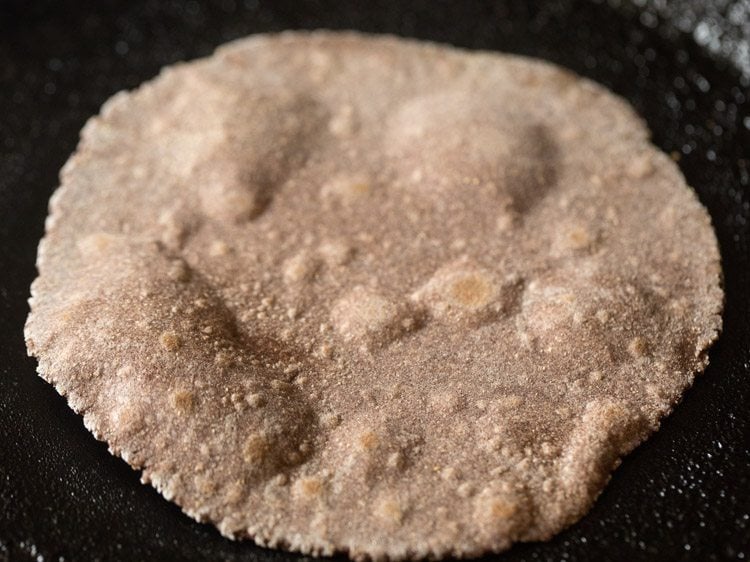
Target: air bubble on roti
(445, 145)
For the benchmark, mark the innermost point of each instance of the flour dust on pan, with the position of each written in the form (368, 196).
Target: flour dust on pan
(336, 292)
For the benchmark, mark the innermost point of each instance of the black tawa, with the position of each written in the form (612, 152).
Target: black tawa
(683, 495)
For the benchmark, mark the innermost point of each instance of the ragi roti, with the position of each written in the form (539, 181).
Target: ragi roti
(336, 292)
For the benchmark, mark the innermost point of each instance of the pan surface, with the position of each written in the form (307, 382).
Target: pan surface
(683, 495)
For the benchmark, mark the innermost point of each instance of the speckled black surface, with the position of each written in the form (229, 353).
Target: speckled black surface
(684, 495)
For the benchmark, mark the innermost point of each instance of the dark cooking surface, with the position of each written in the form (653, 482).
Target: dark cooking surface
(685, 494)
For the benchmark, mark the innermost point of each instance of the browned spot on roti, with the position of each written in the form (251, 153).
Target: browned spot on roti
(471, 291)
(183, 401)
(170, 340)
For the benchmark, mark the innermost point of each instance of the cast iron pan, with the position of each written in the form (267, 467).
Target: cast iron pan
(683, 495)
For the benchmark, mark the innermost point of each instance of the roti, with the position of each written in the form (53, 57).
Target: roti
(346, 293)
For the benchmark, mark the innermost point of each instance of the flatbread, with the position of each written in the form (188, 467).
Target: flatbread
(336, 292)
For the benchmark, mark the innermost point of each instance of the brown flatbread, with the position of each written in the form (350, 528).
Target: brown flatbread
(346, 293)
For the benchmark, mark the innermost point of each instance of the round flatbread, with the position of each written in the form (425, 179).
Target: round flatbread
(346, 293)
